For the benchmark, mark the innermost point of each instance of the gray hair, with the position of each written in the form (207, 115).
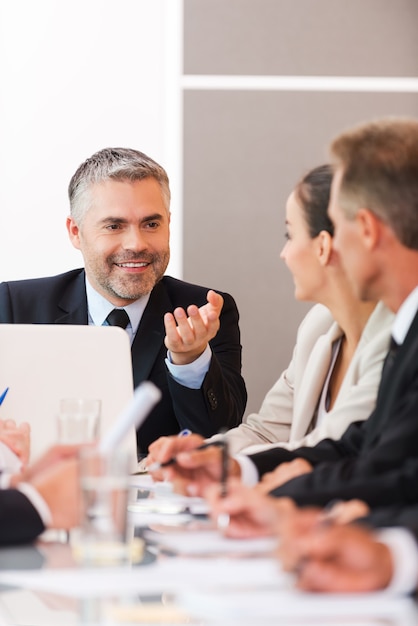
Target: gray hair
(121, 164)
(379, 163)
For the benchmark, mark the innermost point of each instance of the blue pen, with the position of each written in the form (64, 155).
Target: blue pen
(3, 395)
(184, 433)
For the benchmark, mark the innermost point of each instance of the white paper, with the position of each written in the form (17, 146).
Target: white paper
(169, 575)
(222, 590)
(206, 542)
(279, 604)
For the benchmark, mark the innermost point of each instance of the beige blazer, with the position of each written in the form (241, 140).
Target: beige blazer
(287, 411)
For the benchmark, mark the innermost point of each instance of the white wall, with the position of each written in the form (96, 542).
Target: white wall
(76, 77)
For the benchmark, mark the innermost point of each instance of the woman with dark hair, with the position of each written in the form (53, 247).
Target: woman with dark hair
(333, 376)
(335, 370)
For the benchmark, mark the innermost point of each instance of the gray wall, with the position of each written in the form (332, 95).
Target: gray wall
(244, 150)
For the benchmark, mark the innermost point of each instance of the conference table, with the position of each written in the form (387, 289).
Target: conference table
(183, 571)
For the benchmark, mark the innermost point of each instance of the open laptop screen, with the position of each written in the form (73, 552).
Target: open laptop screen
(41, 363)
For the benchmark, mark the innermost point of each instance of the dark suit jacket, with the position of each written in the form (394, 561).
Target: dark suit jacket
(375, 460)
(19, 520)
(396, 515)
(221, 400)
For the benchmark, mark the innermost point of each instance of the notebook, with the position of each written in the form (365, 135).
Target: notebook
(41, 363)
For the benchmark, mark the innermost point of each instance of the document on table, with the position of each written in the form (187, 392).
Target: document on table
(221, 589)
(169, 575)
(290, 604)
(207, 542)
(162, 506)
(146, 483)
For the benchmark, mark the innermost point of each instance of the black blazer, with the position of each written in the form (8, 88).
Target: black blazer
(375, 460)
(19, 520)
(219, 403)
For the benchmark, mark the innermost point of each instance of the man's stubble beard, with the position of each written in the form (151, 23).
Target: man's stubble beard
(132, 287)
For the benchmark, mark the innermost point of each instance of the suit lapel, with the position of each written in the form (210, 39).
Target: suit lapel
(388, 394)
(311, 384)
(151, 332)
(73, 304)
(150, 335)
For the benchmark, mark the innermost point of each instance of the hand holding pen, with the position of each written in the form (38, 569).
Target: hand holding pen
(192, 463)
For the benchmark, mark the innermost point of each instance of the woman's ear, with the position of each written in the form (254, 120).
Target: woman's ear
(324, 241)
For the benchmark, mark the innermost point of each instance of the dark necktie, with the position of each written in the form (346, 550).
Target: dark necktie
(389, 360)
(118, 317)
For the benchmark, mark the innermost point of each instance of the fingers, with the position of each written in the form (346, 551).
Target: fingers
(338, 577)
(166, 448)
(267, 483)
(54, 454)
(346, 512)
(17, 438)
(285, 472)
(189, 327)
(59, 486)
(329, 577)
(189, 332)
(215, 302)
(249, 514)
(209, 459)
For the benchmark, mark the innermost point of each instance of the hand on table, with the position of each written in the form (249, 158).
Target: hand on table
(336, 558)
(59, 486)
(283, 473)
(194, 469)
(165, 448)
(17, 438)
(249, 513)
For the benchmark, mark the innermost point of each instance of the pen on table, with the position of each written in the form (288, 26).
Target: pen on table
(224, 468)
(154, 467)
(3, 395)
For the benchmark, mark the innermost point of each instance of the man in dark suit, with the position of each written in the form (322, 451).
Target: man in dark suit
(119, 220)
(374, 207)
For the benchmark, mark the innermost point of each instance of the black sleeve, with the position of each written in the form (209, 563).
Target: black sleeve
(19, 520)
(327, 450)
(383, 473)
(6, 315)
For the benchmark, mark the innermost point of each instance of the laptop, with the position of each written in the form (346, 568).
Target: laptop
(42, 363)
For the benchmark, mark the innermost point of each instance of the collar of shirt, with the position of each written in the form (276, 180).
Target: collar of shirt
(99, 308)
(405, 316)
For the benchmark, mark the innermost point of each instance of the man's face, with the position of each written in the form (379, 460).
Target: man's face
(348, 242)
(124, 238)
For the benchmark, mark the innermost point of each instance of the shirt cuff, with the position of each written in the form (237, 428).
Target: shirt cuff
(249, 472)
(37, 501)
(191, 375)
(9, 464)
(404, 550)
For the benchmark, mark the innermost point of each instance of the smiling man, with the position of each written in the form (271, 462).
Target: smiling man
(185, 338)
